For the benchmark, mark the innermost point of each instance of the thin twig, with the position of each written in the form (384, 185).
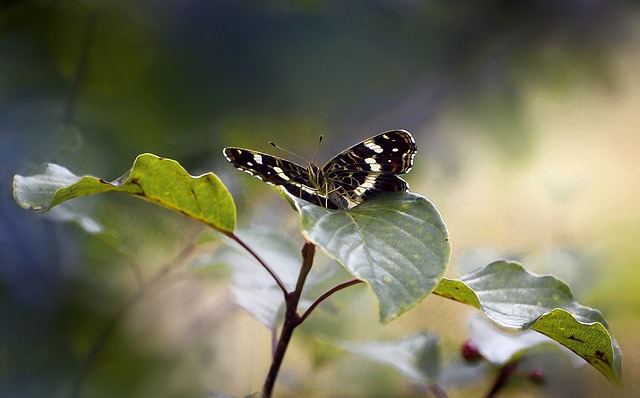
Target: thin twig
(327, 294)
(291, 319)
(264, 265)
(506, 371)
(308, 252)
(102, 339)
(437, 391)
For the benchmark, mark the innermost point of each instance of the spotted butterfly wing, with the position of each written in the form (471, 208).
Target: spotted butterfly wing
(371, 167)
(277, 171)
(348, 179)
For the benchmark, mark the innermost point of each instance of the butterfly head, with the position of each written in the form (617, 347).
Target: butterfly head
(316, 176)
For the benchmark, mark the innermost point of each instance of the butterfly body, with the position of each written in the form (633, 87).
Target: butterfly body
(351, 177)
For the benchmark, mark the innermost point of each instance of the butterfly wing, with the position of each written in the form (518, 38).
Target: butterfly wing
(391, 152)
(277, 171)
(371, 167)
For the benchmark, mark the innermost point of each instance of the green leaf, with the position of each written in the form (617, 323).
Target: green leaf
(416, 357)
(500, 347)
(158, 180)
(395, 242)
(516, 299)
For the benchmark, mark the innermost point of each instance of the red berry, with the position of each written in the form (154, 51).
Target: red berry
(537, 376)
(470, 351)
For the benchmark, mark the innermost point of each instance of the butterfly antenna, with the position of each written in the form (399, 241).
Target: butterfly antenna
(317, 149)
(273, 144)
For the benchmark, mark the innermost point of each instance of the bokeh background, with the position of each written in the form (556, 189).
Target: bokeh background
(527, 120)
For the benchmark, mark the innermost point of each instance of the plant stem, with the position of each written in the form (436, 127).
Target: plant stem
(505, 374)
(437, 391)
(291, 319)
(239, 241)
(289, 325)
(329, 293)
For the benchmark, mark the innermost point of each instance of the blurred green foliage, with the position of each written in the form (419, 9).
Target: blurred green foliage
(90, 84)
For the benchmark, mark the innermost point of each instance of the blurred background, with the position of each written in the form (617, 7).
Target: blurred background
(526, 116)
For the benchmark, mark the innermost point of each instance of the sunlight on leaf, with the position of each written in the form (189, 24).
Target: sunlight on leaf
(76, 212)
(395, 242)
(517, 299)
(155, 179)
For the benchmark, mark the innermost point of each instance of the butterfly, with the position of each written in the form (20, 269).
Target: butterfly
(351, 177)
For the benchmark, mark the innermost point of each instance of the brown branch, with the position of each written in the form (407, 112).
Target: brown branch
(291, 319)
(327, 294)
(264, 265)
(506, 371)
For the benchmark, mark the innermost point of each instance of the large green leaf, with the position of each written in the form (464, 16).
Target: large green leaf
(514, 298)
(158, 180)
(395, 242)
